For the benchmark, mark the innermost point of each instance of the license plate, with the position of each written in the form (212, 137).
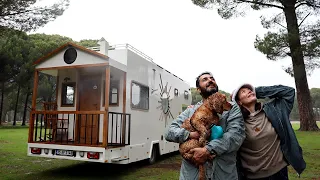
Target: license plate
(64, 152)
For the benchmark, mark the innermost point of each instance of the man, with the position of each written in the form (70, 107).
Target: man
(224, 148)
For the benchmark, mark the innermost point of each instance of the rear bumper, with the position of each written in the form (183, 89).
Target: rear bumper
(48, 151)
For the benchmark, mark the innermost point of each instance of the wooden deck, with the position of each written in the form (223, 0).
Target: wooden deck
(80, 128)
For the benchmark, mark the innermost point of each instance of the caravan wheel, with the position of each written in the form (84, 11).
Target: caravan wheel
(154, 154)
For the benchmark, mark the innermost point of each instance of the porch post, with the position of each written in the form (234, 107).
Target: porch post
(124, 101)
(124, 92)
(57, 90)
(106, 106)
(33, 106)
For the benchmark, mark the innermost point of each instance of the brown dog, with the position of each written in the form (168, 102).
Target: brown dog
(202, 120)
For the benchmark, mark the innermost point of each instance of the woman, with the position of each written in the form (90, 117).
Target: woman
(270, 144)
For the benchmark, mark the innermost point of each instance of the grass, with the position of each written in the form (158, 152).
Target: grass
(310, 143)
(15, 164)
(9, 126)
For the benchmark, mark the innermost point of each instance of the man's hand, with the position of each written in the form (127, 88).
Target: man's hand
(200, 155)
(194, 135)
(190, 106)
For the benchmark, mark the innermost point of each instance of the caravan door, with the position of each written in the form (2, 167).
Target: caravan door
(89, 100)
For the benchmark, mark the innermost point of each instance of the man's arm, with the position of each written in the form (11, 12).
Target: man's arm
(281, 92)
(175, 133)
(234, 134)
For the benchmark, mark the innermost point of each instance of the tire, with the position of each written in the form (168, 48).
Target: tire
(154, 154)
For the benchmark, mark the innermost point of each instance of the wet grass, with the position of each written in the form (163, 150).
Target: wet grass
(15, 164)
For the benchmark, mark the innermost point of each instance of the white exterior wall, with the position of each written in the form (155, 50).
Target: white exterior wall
(119, 55)
(146, 128)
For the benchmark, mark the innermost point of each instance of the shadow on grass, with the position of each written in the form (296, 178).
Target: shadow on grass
(89, 170)
(13, 127)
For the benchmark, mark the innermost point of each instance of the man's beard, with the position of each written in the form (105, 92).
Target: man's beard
(206, 93)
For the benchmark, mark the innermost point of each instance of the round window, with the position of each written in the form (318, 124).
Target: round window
(70, 55)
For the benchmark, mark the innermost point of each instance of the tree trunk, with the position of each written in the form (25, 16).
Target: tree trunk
(9, 113)
(16, 108)
(25, 108)
(2, 95)
(307, 121)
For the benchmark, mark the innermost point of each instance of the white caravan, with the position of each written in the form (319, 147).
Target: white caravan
(112, 105)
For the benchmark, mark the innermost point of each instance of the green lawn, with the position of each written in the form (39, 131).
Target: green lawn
(310, 143)
(16, 165)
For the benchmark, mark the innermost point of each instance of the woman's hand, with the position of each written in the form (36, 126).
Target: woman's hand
(208, 134)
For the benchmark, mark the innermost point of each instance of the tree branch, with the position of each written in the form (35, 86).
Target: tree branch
(12, 14)
(280, 25)
(263, 4)
(304, 19)
(308, 4)
(25, 11)
(304, 3)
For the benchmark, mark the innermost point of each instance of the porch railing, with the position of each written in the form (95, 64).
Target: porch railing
(119, 129)
(85, 128)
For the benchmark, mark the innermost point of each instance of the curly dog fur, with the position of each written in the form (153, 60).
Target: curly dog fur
(202, 120)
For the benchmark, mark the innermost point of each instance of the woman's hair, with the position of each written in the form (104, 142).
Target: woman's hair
(245, 112)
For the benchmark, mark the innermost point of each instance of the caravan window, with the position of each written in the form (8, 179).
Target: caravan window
(113, 93)
(186, 94)
(68, 94)
(139, 96)
(176, 93)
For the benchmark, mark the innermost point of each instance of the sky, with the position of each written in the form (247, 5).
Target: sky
(181, 37)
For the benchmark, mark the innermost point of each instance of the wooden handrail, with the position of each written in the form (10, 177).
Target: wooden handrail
(68, 112)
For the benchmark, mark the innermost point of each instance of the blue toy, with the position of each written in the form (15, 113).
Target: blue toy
(216, 132)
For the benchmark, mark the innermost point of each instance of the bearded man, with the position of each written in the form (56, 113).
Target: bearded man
(224, 149)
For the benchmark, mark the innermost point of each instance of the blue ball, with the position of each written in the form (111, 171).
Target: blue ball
(216, 132)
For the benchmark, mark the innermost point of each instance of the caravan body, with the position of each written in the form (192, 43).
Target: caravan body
(113, 105)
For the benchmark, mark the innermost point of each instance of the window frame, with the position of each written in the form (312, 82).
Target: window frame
(176, 92)
(148, 97)
(114, 83)
(63, 94)
(186, 95)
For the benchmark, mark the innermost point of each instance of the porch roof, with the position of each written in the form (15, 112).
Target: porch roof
(59, 49)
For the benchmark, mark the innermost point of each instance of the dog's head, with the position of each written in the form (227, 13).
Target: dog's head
(218, 102)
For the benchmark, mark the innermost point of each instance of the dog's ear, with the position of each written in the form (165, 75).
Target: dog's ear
(227, 106)
(216, 103)
(221, 103)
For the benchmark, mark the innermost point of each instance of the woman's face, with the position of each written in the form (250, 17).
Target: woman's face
(246, 96)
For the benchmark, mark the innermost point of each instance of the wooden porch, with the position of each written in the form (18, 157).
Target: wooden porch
(81, 128)
(85, 119)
